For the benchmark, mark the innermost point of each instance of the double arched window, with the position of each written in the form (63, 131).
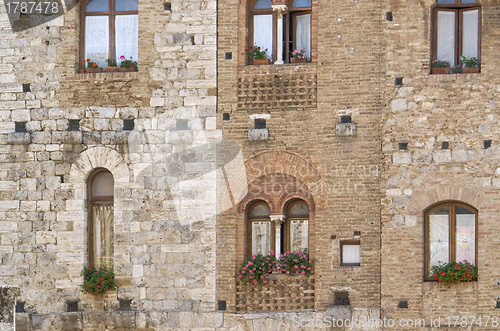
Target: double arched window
(290, 230)
(100, 226)
(451, 235)
(296, 27)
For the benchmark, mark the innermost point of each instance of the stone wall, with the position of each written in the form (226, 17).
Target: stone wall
(162, 164)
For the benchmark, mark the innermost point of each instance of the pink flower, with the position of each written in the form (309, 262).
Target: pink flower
(265, 282)
(122, 57)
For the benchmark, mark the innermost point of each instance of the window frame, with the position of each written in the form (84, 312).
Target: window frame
(250, 220)
(285, 227)
(452, 233)
(459, 8)
(111, 13)
(349, 242)
(93, 201)
(289, 21)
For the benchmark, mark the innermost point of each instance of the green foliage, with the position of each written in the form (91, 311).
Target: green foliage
(440, 64)
(455, 272)
(256, 52)
(127, 63)
(469, 62)
(299, 261)
(254, 269)
(111, 62)
(456, 69)
(98, 280)
(90, 64)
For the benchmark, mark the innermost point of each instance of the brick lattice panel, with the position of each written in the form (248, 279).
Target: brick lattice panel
(281, 293)
(271, 89)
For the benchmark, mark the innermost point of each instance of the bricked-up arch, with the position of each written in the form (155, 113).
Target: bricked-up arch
(271, 163)
(422, 201)
(99, 157)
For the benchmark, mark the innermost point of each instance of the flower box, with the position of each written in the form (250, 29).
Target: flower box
(260, 62)
(129, 69)
(111, 69)
(294, 60)
(471, 70)
(93, 70)
(440, 71)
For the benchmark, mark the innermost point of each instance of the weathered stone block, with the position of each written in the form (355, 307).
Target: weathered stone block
(258, 134)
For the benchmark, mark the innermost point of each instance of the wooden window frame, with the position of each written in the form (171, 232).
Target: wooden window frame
(452, 236)
(93, 201)
(349, 242)
(458, 8)
(250, 220)
(285, 227)
(111, 13)
(289, 27)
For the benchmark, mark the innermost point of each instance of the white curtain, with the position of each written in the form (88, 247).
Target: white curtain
(466, 238)
(446, 36)
(126, 37)
(263, 33)
(299, 235)
(261, 237)
(303, 33)
(351, 254)
(439, 237)
(97, 39)
(470, 31)
(103, 234)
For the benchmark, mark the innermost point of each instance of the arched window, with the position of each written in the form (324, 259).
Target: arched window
(101, 225)
(456, 31)
(296, 27)
(451, 235)
(260, 229)
(296, 227)
(109, 29)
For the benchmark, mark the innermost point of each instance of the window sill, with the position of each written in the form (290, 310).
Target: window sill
(453, 77)
(107, 75)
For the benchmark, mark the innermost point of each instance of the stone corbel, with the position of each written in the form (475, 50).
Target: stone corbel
(280, 11)
(278, 220)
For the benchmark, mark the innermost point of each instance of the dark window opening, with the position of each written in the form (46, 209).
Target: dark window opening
(128, 125)
(341, 299)
(259, 123)
(403, 146)
(20, 126)
(73, 125)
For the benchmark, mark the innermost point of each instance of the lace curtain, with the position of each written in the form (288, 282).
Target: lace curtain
(102, 227)
(303, 33)
(446, 36)
(261, 237)
(126, 37)
(97, 39)
(299, 235)
(263, 33)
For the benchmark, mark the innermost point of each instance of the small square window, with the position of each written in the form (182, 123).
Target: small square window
(403, 304)
(345, 119)
(226, 117)
(444, 145)
(341, 299)
(20, 307)
(20, 126)
(403, 146)
(350, 253)
(398, 81)
(259, 123)
(128, 125)
(73, 125)
(71, 306)
(487, 144)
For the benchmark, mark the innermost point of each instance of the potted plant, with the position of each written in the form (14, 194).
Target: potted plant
(257, 54)
(254, 269)
(296, 263)
(440, 67)
(469, 64)
(92, 67)
(456, 69)
(111, 66)
(127, 65)
(98, 280)
(455, 272)
(298, 56)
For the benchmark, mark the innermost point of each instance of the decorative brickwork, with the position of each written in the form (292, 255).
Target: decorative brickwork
(281, 293)
(269, 88)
